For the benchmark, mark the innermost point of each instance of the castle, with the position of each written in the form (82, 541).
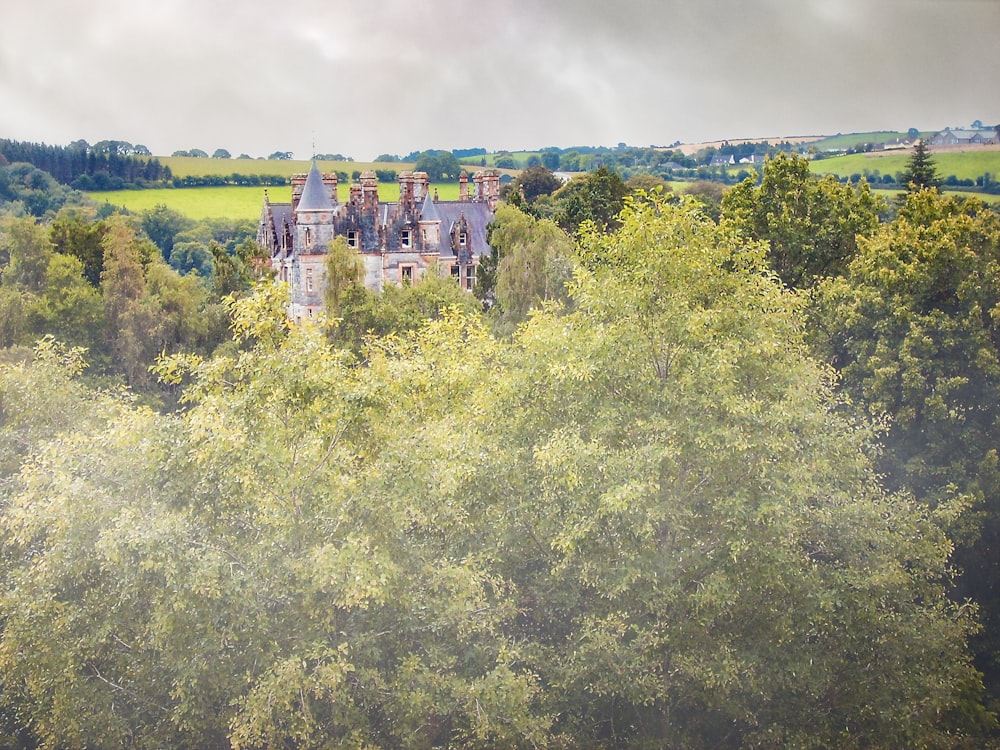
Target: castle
(397, 242)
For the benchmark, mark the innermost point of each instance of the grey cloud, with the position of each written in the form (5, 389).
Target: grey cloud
(397, 75)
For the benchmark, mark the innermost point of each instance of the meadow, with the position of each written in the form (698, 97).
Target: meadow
(236, 202)
(968, 164)
(190, 166)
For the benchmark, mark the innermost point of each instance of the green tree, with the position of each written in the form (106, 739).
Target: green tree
(811, 224)
(27, 248)
(162, 225)
(672, 537)
(79, 234)
(343, 271)
(912, 326)
(534, 265)
(439, 165)
(536, 181)
(921, 171)
(597, 197)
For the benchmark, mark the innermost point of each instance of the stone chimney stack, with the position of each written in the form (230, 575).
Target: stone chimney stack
(421, 185)
(298, 185)
(355, 194)
(369, 191)
(463, 186)
(330, 180)
(406, 188)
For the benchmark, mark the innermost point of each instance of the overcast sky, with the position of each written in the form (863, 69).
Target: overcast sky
(363, 77)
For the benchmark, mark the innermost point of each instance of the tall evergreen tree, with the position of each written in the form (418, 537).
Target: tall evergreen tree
(921, 171)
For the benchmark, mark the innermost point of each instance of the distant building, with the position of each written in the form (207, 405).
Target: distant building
(976, 137)
(397, 241)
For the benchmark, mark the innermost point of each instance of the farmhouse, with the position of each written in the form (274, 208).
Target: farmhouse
(396, 241)
(978, 136)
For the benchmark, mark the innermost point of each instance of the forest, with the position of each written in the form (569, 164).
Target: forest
(715, 470)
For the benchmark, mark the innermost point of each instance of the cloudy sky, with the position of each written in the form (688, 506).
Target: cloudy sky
(363, 77)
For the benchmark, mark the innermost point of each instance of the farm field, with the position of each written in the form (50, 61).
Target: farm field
(968, 164)
(234, 202)
(189, 166)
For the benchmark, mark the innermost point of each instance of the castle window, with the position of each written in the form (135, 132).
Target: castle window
(406, 273)
(455, 270)
(462, 239)
(309, 279)
(470, 277)
(309, 238)
(405, 239)
(352, 238)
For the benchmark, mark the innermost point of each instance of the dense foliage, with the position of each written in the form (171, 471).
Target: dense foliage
(641, 520)
(86, 168)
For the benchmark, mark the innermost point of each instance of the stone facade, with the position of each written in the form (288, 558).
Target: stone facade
(397, 242)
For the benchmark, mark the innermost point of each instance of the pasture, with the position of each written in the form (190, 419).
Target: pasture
(968, 164)
(235, 202)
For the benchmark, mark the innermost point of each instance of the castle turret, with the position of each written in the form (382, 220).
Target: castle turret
(430, 226)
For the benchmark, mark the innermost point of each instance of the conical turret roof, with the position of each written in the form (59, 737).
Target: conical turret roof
(315, 196)
(427, 210)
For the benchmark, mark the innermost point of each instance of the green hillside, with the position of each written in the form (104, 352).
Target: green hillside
(963, 164)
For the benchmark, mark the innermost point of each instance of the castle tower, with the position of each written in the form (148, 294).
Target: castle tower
(313, 215)
(430, 226)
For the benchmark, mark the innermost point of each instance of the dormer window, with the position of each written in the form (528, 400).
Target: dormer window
(462, 239)
(352, 238)
(405, 238)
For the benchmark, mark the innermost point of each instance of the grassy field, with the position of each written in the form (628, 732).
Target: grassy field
(189, 166)
(963, 164)
(234, 202)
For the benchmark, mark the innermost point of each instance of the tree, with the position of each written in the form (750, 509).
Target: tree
(343, 271)
(533, 267)
(810, 224)
(597, 197)
(439, 165)
(672, 537)
(162, 225)
(221, 153)
(912, 328)
(920, 172)
(76, 233)
(536, 181)
(281, 155)
(550, 158)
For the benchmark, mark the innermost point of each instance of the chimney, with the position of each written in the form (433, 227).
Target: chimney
(369, 190)
(330, 180)
(463, 186)
(405, 188)
(421, 183)
(298, 185)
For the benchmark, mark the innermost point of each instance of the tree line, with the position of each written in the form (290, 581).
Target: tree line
(85, 168)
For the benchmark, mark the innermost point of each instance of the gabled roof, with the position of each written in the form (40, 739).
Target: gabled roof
(314, 195)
